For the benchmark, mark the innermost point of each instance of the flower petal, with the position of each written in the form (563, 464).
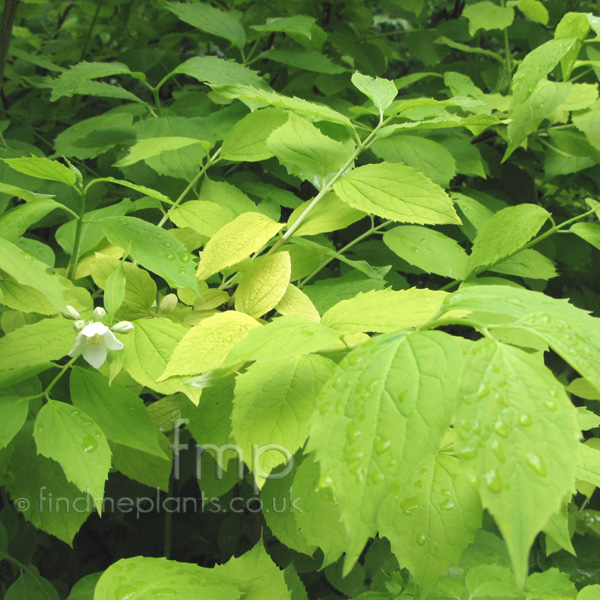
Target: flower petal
(79, 344)
(111, 341)
(94, 328)
(95, 355)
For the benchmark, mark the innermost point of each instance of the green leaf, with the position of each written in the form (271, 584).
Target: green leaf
(534, 10)
(396, 192)
(306, 152)
(114, 291)
(384, 311)
(589, 592)
(431, 519)
(155, 146)
(584, 389)
(149, 469)
(31, 272)
(211, 20)
(119, 413)
(218, 71)
(298, 24)
(36, 344)
(487, 16)
(382, 413)
(283, 337)
(205, 346)
(147, 351)
(427, 156)
(43, 168)
(273, 404)
(536, 65)
(430, 250)
(296, 302)
(28, 196)
(505, 233)
(527, 263)
(68, 436)
(235, 241)
(32, 587)
(330, 214)
(263, 284)
(144, 578)
(154, 248)
(590, 232)
(246, 141)
(381, 91)
(15, 222)
(588, 122)
(13, 411)
(528, 115)
(204, 217)
(40, 481)
(269, 98)
(518, 438)
(256, 574)
(307, 60)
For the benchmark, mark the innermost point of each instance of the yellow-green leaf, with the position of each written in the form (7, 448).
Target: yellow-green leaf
(296, 302)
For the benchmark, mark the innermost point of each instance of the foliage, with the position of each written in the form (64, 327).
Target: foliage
(300, 300)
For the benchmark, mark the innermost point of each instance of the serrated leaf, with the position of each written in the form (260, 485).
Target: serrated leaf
(296, 302)
(205, 346)
(147, 351)
(42, 168)
(145, 578)
(114, 290)
(487, 16)
(246, 141)
(396, 192)
(273, 404)
(120, 414)
(382, 413)
(68, 436)
(218, 71)
(150, 147)
(264, 284)
(306, 152)
(40, 481)
(381, 91)
(527, 263)
(16, 221)
(266, 98)
(235, 241)
(506, 232)
(535, 10)
(13, 412)
(301, 58)
(282, 338)
(430, 250)
(36, 344)
(298, 24)
(536, 65)
(427, 156)
(154, 248)
(384, 311)
(518, 438)
(31, 272)
(431, 519)
(330, 214)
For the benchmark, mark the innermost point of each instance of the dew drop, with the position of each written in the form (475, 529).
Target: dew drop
(421, 539)
(88, 444)
(409, 505)
(536, 463)
(525, 420)
(377, 477)
(382, 446)
(184, 256)
(468, 452)
(501, 428)
(493, 482)
(498, 450)
(170, 256)
(551, 405)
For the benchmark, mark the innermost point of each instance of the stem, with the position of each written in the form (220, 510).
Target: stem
(355, 241)
(78, 231)
(89, 33)
(62, 371)
(156, 94)
(507, 57)
(25, 568)
(215, 158)
(329, 185)
(6, 27)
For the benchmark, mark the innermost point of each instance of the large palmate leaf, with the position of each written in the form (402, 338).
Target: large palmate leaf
(382, 413)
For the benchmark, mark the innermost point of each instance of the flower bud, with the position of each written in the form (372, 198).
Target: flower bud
(99, 312)
(168, 303)
(79, 324)
(71, 313)
(122, 327)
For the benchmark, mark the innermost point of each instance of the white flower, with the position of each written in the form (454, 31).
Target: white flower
(73, 314)
(99, 312)
(93, 341)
